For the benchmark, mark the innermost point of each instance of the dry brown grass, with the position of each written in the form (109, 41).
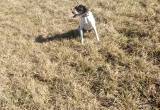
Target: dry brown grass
(122, 72)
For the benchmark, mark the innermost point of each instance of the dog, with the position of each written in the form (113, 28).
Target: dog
(87, 20)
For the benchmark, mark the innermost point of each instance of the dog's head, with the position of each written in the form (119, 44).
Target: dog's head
(79, 10)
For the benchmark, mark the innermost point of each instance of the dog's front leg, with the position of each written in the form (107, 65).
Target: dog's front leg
(81, 35)
(95, 30)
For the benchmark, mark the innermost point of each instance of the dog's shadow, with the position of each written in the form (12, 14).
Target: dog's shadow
(72, 34)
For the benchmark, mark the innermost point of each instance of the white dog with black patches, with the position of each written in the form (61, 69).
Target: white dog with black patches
(87, 20)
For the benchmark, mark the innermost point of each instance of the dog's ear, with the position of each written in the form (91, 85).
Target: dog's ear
(85, 9)
(74, 16)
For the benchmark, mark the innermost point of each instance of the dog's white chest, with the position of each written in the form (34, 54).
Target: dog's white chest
(88, 21)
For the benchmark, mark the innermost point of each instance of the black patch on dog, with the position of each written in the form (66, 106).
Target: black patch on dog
(81, 9)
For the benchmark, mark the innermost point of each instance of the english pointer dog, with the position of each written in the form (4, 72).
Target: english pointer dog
(87, 20)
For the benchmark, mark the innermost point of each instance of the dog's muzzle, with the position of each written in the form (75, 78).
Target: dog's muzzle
(75, 13)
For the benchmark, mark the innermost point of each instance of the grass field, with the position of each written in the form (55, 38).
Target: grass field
(44, 66)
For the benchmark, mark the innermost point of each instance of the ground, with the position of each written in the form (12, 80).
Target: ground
(44, 66)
